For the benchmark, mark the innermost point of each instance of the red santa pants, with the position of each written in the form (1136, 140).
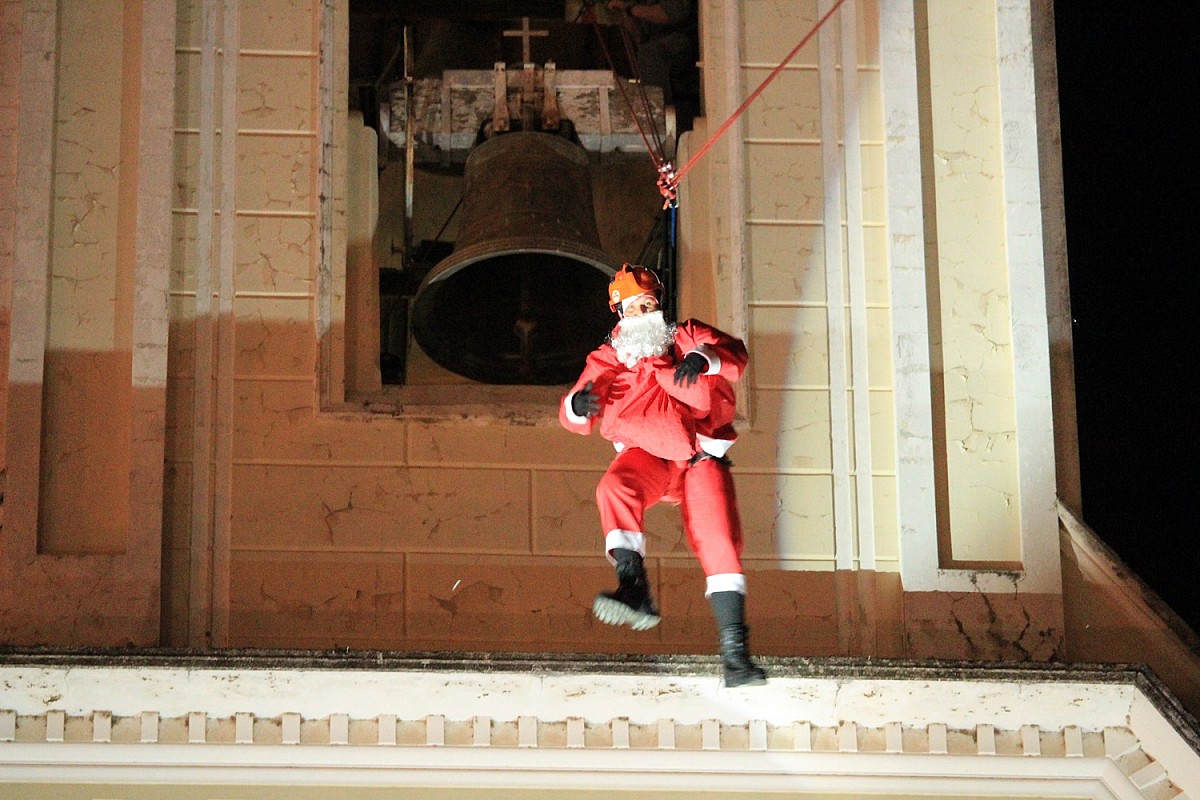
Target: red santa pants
(636, 480)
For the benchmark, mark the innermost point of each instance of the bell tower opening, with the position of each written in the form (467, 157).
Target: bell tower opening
(508, 179)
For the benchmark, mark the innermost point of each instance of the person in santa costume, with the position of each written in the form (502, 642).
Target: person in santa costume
(662, 394)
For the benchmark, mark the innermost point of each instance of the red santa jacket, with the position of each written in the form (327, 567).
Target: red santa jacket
(643, 407)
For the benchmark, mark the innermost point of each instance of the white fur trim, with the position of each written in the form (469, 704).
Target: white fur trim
(714, 361)
(624, 540)
(571, 415)
(725, 582)
(714, 447)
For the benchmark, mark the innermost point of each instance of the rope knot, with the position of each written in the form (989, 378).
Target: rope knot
(668, 185)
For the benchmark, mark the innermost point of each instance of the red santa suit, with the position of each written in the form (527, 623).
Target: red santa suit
(663, 433)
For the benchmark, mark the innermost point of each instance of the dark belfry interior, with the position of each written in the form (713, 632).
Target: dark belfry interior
(520, 181)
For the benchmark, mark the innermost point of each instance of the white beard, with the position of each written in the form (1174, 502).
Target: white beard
(643, 337)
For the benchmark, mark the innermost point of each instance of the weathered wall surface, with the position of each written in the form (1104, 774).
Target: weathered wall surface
(323, 528)
(86, 126)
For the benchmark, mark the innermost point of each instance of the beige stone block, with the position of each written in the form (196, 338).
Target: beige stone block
(883, 431)
(789, 347)
(870, 96)
(380, 509)
(874, 186)
(783, 182)
(790, 431)
(887, 523)
(289, 25)
(275, 93)
(566, 521)
(542, 444)
(278, 420)
(771, 29)
(789, 108)
(275, 254)
(305, 596)
(985, 519)
(879, 347)
(274, 337)
(875, 254)
(787, 263)
(276, 173)
(496, 603)
(982, 334)
(786, 517)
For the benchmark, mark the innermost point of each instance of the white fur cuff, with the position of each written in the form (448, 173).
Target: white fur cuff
(725, 582)
(618, 539)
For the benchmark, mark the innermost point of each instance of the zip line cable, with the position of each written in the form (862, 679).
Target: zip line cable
(669, 186)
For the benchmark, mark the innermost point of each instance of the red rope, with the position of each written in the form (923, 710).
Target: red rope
(629, 103)
(673, 180)
(643, 95)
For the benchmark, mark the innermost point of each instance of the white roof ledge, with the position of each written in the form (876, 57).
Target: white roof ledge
(588, 721)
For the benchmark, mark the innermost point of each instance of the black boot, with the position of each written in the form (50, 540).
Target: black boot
(735, 658)
(729, 608)
(630, 604)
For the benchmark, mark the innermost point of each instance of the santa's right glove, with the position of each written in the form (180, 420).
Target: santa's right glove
(585, 402)
(693, 366)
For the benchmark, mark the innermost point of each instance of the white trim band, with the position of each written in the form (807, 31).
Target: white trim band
(624, 540)
(725, 582)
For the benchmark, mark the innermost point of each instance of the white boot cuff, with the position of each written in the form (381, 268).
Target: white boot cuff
(618, 539)
(725, 582)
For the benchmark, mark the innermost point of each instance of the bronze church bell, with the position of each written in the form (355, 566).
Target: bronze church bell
(521, 299)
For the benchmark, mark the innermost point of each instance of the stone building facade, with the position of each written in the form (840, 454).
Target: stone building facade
(198, 456)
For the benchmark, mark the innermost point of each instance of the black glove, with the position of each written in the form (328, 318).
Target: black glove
(585, 402)
(690, 368)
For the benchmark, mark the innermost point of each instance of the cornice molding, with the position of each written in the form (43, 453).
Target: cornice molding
(433, 719)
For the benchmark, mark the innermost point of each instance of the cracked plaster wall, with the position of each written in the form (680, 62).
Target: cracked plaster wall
(350, 530)
(972, 347)
(84, 319)
(84, 506)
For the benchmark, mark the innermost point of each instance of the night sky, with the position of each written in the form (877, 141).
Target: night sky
(1126, 90)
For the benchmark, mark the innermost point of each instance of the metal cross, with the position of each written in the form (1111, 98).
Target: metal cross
(526, 35)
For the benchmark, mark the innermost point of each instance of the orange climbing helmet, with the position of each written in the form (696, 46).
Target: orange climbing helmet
(632, 281)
